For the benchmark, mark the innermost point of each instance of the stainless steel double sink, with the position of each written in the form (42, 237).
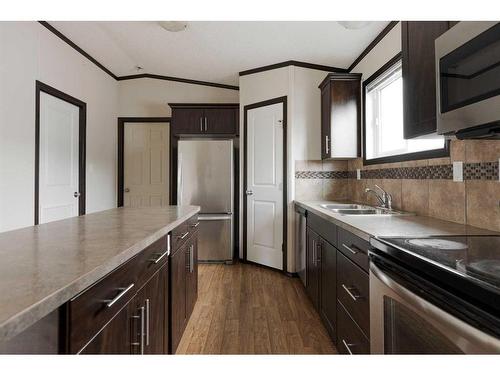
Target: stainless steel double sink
(360, 209)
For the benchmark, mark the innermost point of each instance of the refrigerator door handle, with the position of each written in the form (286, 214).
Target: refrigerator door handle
(206, 217)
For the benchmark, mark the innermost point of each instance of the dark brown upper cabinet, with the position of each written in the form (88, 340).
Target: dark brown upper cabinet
(204, 119)
(340, 115)
(419, 75)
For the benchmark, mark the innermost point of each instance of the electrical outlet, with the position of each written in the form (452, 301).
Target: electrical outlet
(358, 174)
(458, 171)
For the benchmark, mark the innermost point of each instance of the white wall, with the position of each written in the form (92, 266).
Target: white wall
(300, 85)
(29, 52)
(385, 50)
(149, 97)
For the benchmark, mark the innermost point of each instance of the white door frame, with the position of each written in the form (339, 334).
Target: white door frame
(82, 135)
(283, 100)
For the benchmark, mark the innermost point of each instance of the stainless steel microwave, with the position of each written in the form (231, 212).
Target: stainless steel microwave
(468, 80)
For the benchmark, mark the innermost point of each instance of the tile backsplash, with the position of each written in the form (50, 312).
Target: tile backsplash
(425, 187)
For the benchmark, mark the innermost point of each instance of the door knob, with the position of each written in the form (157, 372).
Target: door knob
(76, 194)
(127, 190)
(249, 192)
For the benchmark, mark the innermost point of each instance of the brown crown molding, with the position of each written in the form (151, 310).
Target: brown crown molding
(178, 79)
(301, 64)
(73, 45)
(375, 41)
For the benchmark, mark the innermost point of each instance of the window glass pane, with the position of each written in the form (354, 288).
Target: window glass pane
(384, 119)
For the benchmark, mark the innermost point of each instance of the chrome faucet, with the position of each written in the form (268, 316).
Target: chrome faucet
(385, 199)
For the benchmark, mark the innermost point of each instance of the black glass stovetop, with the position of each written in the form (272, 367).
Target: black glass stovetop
(474, 258)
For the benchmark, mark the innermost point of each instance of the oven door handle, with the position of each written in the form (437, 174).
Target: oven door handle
(468, 338)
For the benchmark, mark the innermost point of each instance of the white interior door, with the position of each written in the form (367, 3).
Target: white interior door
(265, 185)
(146, 165)
(58, 159)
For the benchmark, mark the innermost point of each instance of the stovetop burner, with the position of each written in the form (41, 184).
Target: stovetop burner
(437, 243)
(475, 258)
(485, 269)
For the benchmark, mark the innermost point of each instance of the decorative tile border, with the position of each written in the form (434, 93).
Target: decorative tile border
(472, 171)
(481, 171)
(321, 174)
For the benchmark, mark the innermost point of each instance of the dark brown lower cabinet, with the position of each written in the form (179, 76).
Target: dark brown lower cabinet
(139, 327)
(312, 268)
(350, 338)
(116, 336)
(328, 293)
(183, 287)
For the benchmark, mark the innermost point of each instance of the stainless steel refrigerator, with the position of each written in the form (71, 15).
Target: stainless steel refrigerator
(205, 178)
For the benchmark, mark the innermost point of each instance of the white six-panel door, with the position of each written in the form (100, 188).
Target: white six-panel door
(265, 185)
(58, 159)
(146, 162)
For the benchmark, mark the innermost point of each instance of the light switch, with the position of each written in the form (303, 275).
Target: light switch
(358, 174)
(458, 171)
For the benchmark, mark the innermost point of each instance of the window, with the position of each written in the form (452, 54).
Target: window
(383, 120)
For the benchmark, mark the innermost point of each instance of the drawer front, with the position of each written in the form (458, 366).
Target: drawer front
(95, 307)
(179, 236)
(193, 223)
(353, 247)
(323, 227)
(353, 291)
(350, 339)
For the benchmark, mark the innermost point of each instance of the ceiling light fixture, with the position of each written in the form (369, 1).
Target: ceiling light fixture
(173, 26)
(353, 25)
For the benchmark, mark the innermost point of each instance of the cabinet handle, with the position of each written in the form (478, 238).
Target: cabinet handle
(201, 124)
(140, 344)
(318, 253)
(355, 297)
(327, 148)
(314, 252)
(182, 236)
(353, 249)
(111, 302)
(206, 124)
(195, 225)
(161, 256)
(147, 320)
(191, 259)
(347, 346)
(188, 265)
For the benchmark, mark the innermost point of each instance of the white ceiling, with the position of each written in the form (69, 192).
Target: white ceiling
(216, 51)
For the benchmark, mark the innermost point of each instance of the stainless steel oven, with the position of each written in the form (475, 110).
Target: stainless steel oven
(410, 316)
(468, 80)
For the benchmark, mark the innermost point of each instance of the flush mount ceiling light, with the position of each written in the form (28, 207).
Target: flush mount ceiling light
(353, 25)
(173, 26)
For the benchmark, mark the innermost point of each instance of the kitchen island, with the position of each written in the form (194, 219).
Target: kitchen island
(64, 282)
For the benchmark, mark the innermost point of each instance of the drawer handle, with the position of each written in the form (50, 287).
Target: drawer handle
(195, 225)
(161, 256)
(348, 346)
(182, 236)
(353, 249)
(355, 297)
(124, 291)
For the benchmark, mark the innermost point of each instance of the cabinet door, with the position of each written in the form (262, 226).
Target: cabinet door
(192, 275)
(178, 296)
(328, 285)
(419, 77)
(187, 121)
(115, 337)
(152, 297)
(312, 276)
(325, 122)
(220, 121)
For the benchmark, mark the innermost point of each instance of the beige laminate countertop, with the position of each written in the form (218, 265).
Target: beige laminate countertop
(42, 267)
(366, 226)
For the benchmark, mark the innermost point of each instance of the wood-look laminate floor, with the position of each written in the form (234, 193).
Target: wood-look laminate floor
(247, 309)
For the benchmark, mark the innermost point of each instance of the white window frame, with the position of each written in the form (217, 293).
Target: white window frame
(386, 76)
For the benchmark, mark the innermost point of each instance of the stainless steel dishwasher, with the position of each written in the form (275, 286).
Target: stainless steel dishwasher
(300, 243)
